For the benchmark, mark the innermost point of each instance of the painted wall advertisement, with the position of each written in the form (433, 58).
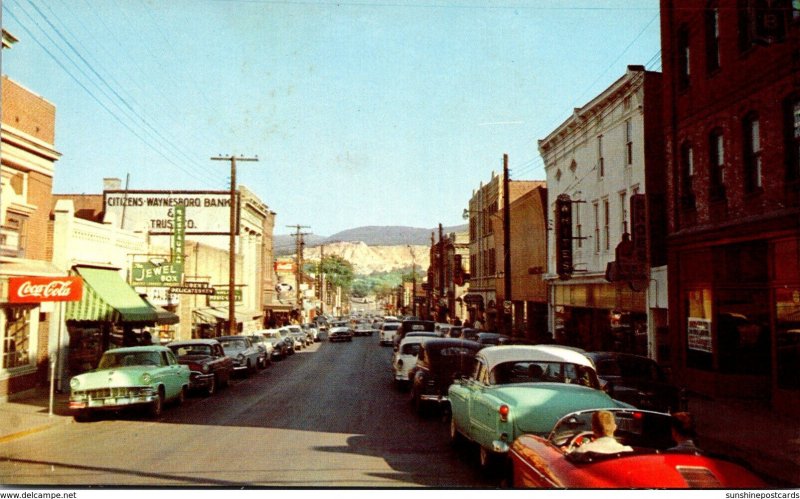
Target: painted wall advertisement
(207, 212)
(699, 334)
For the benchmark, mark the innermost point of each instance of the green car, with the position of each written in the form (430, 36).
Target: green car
(133, 376)
(518, 389)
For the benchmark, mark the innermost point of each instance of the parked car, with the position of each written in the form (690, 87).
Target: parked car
(340, 334)
(545, 460)
(440, 362)
(387, 332)
(242, 351)
(639, 381)
(208, 365)
(280, 348)
(490, 339)
(412, 325)
(288, 339)
(405, 358)
(469, 333)
(126, 377)
(298, 332)
(312, 331)
(264, 346)
(518, 389)
(298, 339)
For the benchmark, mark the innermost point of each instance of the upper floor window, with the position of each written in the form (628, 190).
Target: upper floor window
(628, 142)
(596, 227)
(601, 167)
(684, 54)
(752, 154)
(687, 175)
(716, 162)
(792, 127)
(623, 212)
(606, 224)
(712, 38)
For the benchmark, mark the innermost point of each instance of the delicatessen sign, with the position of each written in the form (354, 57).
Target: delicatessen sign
(206, 212)
(44, 289)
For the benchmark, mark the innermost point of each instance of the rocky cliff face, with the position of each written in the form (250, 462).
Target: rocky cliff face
(369, 259)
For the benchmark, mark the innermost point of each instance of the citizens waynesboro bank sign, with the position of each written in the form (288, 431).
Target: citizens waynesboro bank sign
(207, 212)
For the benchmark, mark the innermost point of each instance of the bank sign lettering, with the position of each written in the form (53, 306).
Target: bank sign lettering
(207, 212)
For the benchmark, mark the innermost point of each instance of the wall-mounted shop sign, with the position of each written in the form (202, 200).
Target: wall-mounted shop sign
(32, 289)
(207, 212)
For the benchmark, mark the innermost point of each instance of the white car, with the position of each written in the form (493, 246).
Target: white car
(404, 358)
(297, 338)
(386, 336)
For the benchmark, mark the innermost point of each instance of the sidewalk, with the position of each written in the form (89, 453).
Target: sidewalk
(31, 414)
(743, 429)
(768, 442)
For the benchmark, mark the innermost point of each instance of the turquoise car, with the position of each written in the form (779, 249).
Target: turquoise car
(519, 389)
(145, 376)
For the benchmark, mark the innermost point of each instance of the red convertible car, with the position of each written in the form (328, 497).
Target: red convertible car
(550, 463)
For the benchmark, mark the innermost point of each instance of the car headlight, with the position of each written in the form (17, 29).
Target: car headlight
(146, 379)
(205, 368)
(74, 383)
(240, 357)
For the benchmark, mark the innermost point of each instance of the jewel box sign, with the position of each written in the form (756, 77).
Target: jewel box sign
(43, 289)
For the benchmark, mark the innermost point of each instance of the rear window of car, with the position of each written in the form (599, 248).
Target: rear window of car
(410, 349)
(391, 327)
(535, 372)
(234, 343)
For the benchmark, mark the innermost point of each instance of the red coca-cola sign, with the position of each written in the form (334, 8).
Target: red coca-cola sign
(38, 289)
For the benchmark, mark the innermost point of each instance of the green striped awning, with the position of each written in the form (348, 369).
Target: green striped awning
(108, 298)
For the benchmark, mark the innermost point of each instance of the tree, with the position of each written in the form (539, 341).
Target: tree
(337, 271)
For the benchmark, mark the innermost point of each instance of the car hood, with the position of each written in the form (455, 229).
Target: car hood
(536, 407)
(110, 378)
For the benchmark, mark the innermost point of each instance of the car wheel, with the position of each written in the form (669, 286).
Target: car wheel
(419, 405)
(157, 406)
(250, 369)
(181, 397)
(83, 415)
(212, 386)
(456, 439)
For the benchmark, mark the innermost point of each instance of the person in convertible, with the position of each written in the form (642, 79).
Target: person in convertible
(603, 442)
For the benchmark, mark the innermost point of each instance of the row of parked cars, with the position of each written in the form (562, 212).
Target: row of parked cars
(527, 408)
(149, 376)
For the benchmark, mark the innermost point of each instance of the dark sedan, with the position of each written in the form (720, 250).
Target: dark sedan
(209, 366)
(491, 339)
(638, 380)
(340, 334)
(440, 361)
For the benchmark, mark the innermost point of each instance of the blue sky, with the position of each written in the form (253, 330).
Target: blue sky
(361, 113)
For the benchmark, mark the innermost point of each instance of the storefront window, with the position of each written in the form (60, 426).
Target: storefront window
(743, 331)
(788, 337)
(16, 341)
(699, 347)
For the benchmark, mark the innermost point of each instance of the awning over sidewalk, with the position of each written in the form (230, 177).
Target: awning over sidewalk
(108, 298)
(212, 315)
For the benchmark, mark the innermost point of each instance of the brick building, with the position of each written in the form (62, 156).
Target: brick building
(28, 157)
(732, 121)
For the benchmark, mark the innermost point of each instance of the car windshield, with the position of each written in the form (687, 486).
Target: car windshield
(126, 359)
(181, 350)
(234, 344)
(391, 327)
(537, 372)
(635, 428)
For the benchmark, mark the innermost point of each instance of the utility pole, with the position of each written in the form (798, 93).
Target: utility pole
(232, 328)
(442, 291)
(299, 243)
(321, 280)
(413, 281)
(506, 246)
